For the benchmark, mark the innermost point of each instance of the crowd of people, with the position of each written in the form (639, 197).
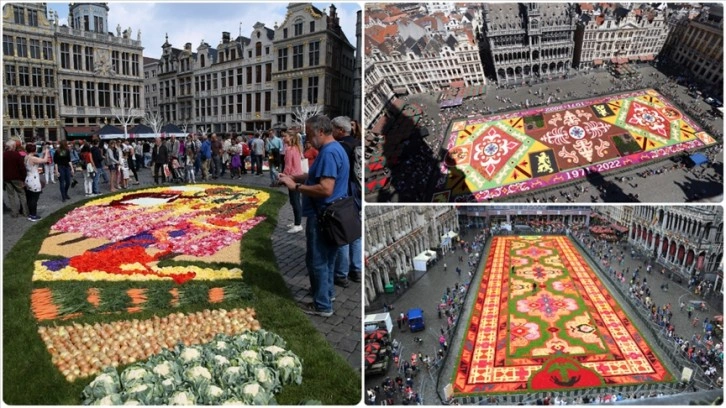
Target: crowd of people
(704, 348)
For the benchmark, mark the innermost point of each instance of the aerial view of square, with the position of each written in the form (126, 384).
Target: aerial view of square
(543, 102)
(507, 304)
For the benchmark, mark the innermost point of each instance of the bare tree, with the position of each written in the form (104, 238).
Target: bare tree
(155, 121)
(204, 129)
(125, 114)
(184, 125)
(304, 112)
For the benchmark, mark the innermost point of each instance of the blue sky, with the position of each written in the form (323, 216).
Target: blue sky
(192, 22)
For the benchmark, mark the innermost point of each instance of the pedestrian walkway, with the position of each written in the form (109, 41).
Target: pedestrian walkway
(342, 330)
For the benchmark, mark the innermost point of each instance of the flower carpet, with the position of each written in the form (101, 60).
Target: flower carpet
(543, 321)
(517, 152)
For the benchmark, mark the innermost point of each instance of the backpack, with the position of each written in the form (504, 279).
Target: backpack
(245, 149)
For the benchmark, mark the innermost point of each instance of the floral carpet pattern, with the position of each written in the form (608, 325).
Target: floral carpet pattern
(543, 321)
(171, 243)
(499, 155)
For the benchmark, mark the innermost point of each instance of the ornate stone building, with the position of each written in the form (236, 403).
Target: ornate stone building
(100, 75)
(394, 236)
(493, 216)
(525, 40)
(697, 45)
(358, 71)
(151, 85)
(30, 80)
(314, 64)
(686, 238)
(414, 53)
(618, 34)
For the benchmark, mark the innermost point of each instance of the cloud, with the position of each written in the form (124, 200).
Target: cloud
(194, 22)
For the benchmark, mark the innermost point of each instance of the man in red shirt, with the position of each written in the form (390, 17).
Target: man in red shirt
(14, 178)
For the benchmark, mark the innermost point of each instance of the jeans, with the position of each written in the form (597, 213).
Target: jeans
(96, 178)
(147, 159)
(356, 256)
(64, 177)
(159, 168)
(320, 262)
(32, 197)
(296, 206)
(16, 194)
(257, 163)
(217, 165)
(342, 262)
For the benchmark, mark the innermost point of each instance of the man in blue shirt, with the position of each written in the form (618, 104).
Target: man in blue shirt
(326, 181)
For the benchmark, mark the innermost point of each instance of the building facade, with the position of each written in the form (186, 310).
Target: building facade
(609, 33)
(520, 41)
(394, 236)
(522, 215)
(686, 239)
(414, 53)
(313, 66)
(151, 85)
(100, 75)
(30, 80)
(698, 45)
(358, 70)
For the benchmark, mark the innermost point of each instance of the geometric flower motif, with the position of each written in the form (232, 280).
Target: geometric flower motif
(534, 252)
(648, 119)
(492, 150)
(522, 332)
(547, 306)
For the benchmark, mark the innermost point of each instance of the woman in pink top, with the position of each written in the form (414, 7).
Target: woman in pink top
(293, 167)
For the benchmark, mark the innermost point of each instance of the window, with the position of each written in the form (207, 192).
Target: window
(281, 93)
(258, 49)
(249, 103)
(312, 26)
(91, 93)
(19, 15)
(47, 50)
(50, 107)
(258, 74)
(313, 90)
(25, 107)
(125, 63)
(267, 50)
(282, 59)
(115, 61)
(268, 101)
(38, 106)
(230, 104)
(104, 95)
(22, 45)
(249, 75)
(78, 87)
(10, 78)
(223, 79)
(13, 108)
(67, 92)
(49, 78)
(8, 45)
(296, 91)
(314, 53)
(35, 49)
(268, 72)
(297, 56)
(298, 28)
(89, 58)
(33, 18)
(135, 71)
(24, 76)
(239, 76)
(116, 97)
(77, 57)
(258, 101)
(239, 103)
(284, 33)
(37, 77)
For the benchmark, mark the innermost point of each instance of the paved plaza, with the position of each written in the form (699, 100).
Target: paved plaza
(426, 292)
(418, 168)
(342, 330)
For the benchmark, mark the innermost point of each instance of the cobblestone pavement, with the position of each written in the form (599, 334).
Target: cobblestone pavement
(426, 292)
(342, 330)
(684, 185)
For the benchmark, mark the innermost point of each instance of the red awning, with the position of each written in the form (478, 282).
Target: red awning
(597, 61)
(633, 58)
(614, 60)
(623, 60)
(457, 84)
(649, 57)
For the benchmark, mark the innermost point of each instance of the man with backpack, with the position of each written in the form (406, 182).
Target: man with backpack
(348, 264)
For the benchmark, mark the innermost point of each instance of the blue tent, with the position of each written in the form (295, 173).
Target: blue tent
(698, 159)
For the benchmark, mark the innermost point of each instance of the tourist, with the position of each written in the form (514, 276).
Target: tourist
(63, 168)
(160, 157)
(14, 172)
(326, 182)
(293, 169)
(190, 160)
(310, 153)
(89, 169)
(33, 187)
(234, 151)
(49, 168)
(112, 160)
(257, 146)
(205, 156)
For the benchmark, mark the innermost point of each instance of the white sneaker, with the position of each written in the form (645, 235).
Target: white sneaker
(294, 229)
(290, 225)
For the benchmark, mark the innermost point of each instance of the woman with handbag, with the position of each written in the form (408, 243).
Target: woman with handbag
(112, 158)
(33, 188)
(293, 167)
(89, 169)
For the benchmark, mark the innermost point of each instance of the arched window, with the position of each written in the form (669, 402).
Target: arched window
(201, 60)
